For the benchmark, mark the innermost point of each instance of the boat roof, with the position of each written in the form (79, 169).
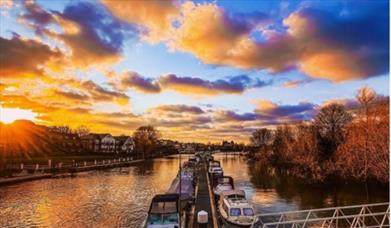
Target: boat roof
(241, 202)
(214, 162)
(234, 192)
(165, 198)
(164, 204)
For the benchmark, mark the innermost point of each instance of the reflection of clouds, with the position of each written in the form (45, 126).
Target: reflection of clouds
(264, 201)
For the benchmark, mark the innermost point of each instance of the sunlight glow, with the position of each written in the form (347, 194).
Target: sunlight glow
(9, 115)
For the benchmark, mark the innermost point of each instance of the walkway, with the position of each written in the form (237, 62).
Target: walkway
(203, 201)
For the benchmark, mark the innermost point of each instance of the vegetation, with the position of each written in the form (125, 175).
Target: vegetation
(349, 144)
(146, 139)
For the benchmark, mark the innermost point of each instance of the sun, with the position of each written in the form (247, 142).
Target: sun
(9, 115)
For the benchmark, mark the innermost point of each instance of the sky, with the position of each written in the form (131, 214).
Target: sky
(202, 71)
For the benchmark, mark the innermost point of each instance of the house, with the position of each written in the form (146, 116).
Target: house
(124, 144)
(99, 143)
(107, 144)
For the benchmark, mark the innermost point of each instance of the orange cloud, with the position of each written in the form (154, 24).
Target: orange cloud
(309, 44)
(96, 38)
(21, 58)
(155, 15)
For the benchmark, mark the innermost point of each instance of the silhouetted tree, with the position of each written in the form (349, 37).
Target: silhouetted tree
(82, 131)
(261, 138)
(331, 122)
(146, 139)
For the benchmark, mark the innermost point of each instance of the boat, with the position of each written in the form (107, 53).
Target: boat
(183, 185)
(235, 210)
(221, 184)
(216, 172)
(163, 212)
(212, 164)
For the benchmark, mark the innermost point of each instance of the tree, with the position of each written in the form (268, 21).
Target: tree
(261, 137)
(146, 139)
(282, 143)
(366, 96)
(82, 131)
(331, 122)
(365, 153)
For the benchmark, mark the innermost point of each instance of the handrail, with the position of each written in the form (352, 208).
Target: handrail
(302, 218)
(323, 209)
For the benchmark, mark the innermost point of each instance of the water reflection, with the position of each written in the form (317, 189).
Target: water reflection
(121, 197)
(272, 191)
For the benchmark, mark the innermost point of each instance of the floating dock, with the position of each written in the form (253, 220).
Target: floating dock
(205, 200)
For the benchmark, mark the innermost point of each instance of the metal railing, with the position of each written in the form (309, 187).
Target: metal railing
(365, 215)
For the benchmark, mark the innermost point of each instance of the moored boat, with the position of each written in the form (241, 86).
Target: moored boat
(221, 184)
(235, 210)
(183, 185)
(164, 212)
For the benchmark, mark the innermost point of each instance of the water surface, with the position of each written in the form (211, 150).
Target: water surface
(121, 197)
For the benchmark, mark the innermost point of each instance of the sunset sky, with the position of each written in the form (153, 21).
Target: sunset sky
(198, 71)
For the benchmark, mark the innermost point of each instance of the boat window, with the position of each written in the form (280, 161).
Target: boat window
(248, 212)
(170, 218)
(234, 212)
(154, 219)
(164, 207)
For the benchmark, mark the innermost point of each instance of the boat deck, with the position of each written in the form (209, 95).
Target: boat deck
(204, 200)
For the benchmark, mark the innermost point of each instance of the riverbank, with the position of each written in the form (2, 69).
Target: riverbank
(66, 171)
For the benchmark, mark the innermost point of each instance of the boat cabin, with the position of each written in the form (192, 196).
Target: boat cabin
(163, 212)
(235, 209)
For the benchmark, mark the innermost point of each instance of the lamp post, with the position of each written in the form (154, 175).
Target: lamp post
(180, 188)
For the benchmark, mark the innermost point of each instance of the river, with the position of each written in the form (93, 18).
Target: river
(120, 197)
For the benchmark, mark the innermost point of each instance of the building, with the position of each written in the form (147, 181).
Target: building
(99, 143)
(107, 144)
(124, 144)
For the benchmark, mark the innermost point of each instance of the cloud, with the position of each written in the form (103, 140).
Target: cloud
(179, 109)
(185, 85)
(133, 80)
(268, 110)
(154, 16)
(89, 30)
(295, 83)
(71, 95)
(20, 58)
(98, 93)
(349, 103)
(191, 85)
(319, 43)
(233, 116)
(210, 34)
(341, 48)
(198, 86)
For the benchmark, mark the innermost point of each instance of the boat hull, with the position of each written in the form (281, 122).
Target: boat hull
(229, 224)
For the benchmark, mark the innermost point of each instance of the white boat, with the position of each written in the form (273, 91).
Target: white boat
(163, 212)
(235, 210)
(221, 184)
(213, 163)
(216, 172)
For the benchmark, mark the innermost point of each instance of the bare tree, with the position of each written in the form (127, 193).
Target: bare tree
(146, 138)
(366, 96)
(331, 122)
(261, 138)
(82, 131)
